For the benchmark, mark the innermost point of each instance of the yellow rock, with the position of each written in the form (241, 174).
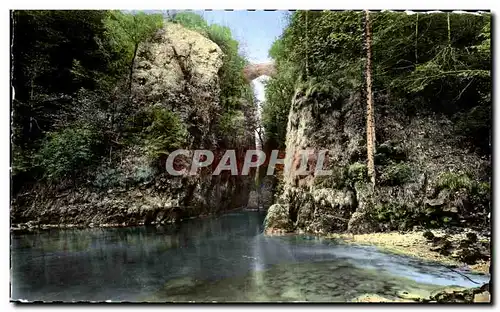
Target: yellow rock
(482, 297)
(371, 298)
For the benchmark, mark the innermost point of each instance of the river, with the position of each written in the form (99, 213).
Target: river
(222, 258)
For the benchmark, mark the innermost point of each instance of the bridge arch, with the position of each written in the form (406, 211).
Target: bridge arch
(253, 71)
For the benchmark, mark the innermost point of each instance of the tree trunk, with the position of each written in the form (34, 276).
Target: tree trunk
(416, 41)
(307, 50)
(132, 70)
(449, 30)
(370, 124)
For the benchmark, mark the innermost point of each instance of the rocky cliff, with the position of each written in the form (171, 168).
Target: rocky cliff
(423, 177)
(176, 71)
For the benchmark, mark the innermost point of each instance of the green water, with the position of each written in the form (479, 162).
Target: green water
(329, 281)
(223, 259)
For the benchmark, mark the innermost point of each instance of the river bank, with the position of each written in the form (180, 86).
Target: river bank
(31, 226)
(429, 245)
(416, 245)
(229, 250)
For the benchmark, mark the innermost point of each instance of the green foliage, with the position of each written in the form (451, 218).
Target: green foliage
(110, 177)
(233, 85)
(72, 78)
(477, 193)
(67, 151)
(322, 46)
(358, 172)
(126, 31)
(388, 152)
(394, 216)
(337, 180)
(21, 161)
(55, 53)
(475, 125)
(274, 121)
(114, 177)
(165, 132)
(317, 42)
(276, 108)
(232, 125)
(397, 174)
(143, 174)
(401, 216)
(415, 58)
(454, 181)
(192, 21)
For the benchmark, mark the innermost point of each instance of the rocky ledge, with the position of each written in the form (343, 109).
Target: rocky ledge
(444, 295)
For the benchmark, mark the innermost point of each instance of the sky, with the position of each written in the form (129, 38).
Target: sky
(255, 31)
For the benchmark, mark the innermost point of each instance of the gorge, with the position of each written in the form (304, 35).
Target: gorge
(96, 215)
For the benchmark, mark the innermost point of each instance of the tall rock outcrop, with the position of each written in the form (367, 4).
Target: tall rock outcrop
(424, 177)
(176, 71)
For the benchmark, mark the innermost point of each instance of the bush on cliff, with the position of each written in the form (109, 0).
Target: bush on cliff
(431, 81)
(164, 133)
(73, 68)
(66, 152)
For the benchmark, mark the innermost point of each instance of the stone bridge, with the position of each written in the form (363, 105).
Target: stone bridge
(253, 71)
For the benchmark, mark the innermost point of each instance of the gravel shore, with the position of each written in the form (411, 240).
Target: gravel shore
(415, 244)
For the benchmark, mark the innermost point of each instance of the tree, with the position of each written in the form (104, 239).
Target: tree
(45, 47)
(126, 31)
(370, 124)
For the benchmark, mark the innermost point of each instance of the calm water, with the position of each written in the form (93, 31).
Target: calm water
(223, 258)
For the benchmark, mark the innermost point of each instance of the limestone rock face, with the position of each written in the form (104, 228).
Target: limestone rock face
(178, 56)
(278, 219)
(413, 153)
(253, 200)
(176, 70)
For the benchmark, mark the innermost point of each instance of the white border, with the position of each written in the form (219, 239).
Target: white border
(200, 4)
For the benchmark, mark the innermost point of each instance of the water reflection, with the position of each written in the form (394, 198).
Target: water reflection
(178, 262)
(327, 281)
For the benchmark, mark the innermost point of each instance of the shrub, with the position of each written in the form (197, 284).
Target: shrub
(481, 189)
(454, 182)
(118, 177)
(68, 151)
(478, 193)
(21, 160)
(192, 21)
(110, 177)
(394, 216)
(337, 180)
(165, 132)
(231, 125)
(388, 152)
(142, 174)
(358, 172)
(396, 174)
